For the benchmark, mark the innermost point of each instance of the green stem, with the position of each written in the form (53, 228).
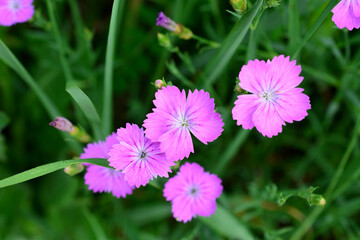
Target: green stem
(211, 44)
(71, 87)
(328, 194)
(107, 114)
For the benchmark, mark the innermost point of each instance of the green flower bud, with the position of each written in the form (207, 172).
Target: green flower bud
(316, 199)
(74, 169)
(164, 40)
(239, 5)
(272, 3)
(159, 83)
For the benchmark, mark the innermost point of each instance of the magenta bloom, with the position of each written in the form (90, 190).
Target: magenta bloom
(275, 98)
(175, 117)
(103, 179)
(166, 22)
(192, 192)
(347, 14)
(137, 157)
(15, 11)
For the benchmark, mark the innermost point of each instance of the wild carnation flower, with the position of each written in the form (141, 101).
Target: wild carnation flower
(275, 98)
(192, 192)
(15, 11)
(103, 179)
(347, 14)
(175, 117)
(137, 157)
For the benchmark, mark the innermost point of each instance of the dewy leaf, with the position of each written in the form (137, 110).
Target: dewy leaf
(224, 54)
(227, 225)
(46, 169)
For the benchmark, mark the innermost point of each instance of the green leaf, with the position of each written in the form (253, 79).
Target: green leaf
(224, 54)
(227, 225)
(46, 169)
(4, 120)
(9, 58)
(314, 27)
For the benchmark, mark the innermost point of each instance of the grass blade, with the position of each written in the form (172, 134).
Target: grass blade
(46, 169)
(313, 29)
(9, 58)
(224, 54)
(107, 114)
(227, 225)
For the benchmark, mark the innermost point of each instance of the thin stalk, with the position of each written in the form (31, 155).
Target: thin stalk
(107, 114)
(71, 87)
(210, 43)
(300, 232)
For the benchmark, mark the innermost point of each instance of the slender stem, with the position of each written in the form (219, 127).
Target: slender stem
(328, 194)
(206, 41)
(107, 114)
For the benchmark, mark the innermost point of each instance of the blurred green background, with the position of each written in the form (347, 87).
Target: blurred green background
(306, 153)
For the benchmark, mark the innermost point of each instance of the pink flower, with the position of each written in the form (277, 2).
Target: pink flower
(15, 11)
(175, 117)
(137, 157)
(103, 179)
(275, 99)
(192, 192)
(347, 14)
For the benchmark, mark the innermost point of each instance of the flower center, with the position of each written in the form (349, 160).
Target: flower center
(14, 5)
(268, 95)
(193, 191)
(143, 155)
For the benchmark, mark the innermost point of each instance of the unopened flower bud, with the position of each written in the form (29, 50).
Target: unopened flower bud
(167, 23)
(316, 199)
(74, 169)
(272, 3)
(239, 5)
(159, 83)
(62, 124)
(237, 87)
(164, 40)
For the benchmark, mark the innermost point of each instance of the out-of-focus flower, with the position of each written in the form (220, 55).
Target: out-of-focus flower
(103, 179)
(137, 157)
(192, 192)
(167, 23)
(62, 124)
(175, 117)
(275, 98)
(347, 14)
(15, 11)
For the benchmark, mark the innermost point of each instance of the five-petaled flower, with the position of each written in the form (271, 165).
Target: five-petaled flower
(347, 14)
(192, 192)
(137, 157)
(275, 98)
(103, 179)
(175, 117)
(15, 11)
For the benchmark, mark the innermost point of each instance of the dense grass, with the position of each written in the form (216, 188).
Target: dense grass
(71, 59)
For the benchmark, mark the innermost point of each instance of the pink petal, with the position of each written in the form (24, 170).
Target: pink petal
(7, 18)
(292, 105)
(182, 209)
(177, 143)
(251, 76)
(244, 109)
(267, 120)
(24, 14)
(204, 122)
(344, 15)
(356, 8)
(284, 75)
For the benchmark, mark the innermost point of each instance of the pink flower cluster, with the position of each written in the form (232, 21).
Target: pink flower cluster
(139, 156)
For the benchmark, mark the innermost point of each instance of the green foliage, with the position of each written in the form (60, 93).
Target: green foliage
(67, 48)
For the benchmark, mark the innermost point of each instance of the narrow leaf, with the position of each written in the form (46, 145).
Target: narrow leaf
(46, 169)
(224, 54)
(227, 225)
